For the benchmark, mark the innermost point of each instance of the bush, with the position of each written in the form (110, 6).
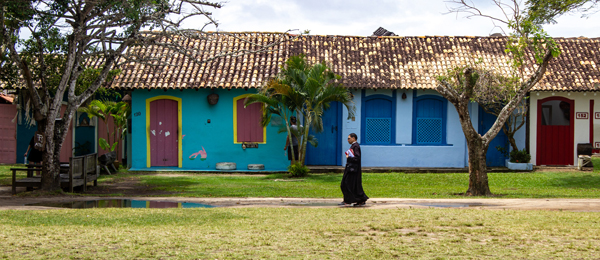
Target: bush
(298, 170)
(519, 156)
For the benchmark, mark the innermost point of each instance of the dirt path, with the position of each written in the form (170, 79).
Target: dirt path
(131, 188)
(588, 205)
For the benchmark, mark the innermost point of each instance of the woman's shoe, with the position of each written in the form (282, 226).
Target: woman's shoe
(360, 204)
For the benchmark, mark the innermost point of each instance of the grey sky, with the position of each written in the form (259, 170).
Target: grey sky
(361, 18)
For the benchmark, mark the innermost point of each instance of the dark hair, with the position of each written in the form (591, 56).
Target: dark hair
(353, 135)
(293, 119)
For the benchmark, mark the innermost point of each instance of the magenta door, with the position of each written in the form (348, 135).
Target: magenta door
(8, 131)
(163, 133)
(555, 131)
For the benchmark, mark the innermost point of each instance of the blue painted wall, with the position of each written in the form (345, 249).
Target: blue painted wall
(216, 137)
(404, 153)
(24, 134)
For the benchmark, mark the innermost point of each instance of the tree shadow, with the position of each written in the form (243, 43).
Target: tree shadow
(589, 181)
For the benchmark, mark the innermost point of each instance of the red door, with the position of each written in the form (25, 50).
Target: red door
(8, 131)
(163, 133)
(555, 131)
(66, 151)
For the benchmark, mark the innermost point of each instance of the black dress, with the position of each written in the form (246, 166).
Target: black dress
(34, 155)
(352, 180)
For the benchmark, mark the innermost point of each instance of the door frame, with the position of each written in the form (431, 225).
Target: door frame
(148, 150)
(539, 126)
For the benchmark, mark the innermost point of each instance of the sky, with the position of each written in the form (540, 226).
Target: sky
(363, 17)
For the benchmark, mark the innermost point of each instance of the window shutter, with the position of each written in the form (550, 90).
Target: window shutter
(248, 122)
(429, 121)
(378, 121)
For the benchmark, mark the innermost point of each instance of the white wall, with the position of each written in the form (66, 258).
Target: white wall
(582, 126)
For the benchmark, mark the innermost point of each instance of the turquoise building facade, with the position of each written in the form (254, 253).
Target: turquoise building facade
(205, 129)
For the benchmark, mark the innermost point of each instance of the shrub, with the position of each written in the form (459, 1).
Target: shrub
(519, 156)
(298, 170)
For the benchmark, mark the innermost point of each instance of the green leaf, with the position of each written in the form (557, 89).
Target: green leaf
(104, 144)
(114, 146)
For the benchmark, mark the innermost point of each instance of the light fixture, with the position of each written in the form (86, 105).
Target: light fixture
(213, 98)
(404, 95)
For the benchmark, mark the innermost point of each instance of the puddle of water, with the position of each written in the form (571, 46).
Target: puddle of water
(121, 203)
(451, 205)
(315, 204)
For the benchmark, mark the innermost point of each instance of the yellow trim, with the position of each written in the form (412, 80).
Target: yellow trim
(148, 154)
(235, 141)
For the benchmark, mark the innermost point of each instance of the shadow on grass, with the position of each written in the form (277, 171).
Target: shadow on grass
(590, 181)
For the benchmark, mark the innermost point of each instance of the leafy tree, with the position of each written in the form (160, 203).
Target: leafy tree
(306, 89)
(546, 11)
(78, 43)
(530, 49)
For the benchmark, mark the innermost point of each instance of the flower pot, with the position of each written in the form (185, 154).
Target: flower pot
(520, 166)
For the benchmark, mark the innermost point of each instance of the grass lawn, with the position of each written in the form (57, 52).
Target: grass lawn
(382, 185)
(338, 233)
(573, 184)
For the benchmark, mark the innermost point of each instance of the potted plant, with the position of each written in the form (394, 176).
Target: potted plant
(519, 160)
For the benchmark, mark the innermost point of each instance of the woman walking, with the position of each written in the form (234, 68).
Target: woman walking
(352, 180)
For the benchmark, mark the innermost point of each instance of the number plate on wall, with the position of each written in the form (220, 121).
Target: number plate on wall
(249, 145)
(581, 115)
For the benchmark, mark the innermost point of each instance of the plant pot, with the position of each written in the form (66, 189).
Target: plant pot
(107, 158)
(520, 166)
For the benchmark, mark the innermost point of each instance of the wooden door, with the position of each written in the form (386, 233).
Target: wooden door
(8, 134)
(163, 133)
(555, 131)
(327, 151)
(494, 158)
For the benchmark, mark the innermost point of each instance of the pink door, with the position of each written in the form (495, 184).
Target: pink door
(163, 133)
(66, 151)
(555, 131)
(8, 131)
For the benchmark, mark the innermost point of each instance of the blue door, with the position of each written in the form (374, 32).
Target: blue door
(494, 157)
(328, 151)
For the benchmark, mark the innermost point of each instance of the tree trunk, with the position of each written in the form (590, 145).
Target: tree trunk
(55, 133)
(302, 156)
(511, 140)
(51, 160)
(478, 179)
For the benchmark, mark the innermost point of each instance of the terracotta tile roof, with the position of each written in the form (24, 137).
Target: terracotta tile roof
(363, 62)
(393, 62)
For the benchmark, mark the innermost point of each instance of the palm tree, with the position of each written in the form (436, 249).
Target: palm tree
(104, 110)
(308, 90)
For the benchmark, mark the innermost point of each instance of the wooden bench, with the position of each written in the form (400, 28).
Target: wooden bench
(80, 171)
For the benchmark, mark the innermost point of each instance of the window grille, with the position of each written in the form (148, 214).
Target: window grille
(429, 130)
(378, 130)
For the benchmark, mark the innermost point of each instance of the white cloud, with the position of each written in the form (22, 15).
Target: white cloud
(361, 18)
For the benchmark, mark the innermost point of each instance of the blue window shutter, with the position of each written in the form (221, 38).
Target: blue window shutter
(429, 121)
(378, 119)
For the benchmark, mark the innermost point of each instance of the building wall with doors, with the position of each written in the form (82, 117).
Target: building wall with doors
(81, 139)
(199, 135)
(560, 121)
(405, 128)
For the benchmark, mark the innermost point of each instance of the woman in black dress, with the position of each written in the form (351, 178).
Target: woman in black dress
(352, 180)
